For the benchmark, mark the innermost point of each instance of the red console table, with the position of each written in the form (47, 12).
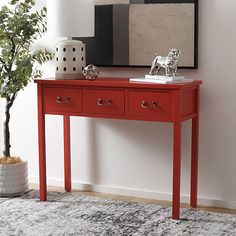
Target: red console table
(120, 99)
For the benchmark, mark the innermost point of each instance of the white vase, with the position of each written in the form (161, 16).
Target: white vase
(13, 179)
(70, 59)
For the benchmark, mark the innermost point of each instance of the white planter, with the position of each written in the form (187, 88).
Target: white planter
(13, 179)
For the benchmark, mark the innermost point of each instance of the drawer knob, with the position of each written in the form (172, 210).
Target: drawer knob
(100, 102)
(60, 100)
(145, 105)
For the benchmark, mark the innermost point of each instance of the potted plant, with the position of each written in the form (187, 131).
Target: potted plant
(20, 26)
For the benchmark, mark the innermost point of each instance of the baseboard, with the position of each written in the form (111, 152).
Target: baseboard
(203, 201)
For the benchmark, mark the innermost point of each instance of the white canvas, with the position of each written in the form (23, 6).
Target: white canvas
(155, 28)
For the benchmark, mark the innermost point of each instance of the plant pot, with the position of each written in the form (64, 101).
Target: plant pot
(13, 179)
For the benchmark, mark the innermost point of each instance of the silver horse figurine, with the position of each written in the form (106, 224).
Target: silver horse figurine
(170, 63)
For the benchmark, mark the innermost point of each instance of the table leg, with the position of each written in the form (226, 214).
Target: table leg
(194, 159)
(176, 170)
(176, 156)
(67, 159)
(42, 146)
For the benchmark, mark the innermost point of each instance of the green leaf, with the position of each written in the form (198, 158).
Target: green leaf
(20, 26)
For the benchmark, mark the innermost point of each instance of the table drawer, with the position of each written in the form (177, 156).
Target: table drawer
(103, 102)
(63, 100)
(155, 105)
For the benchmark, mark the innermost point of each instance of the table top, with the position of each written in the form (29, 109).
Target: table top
(117, 82)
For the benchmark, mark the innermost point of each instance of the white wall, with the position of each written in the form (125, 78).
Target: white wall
(135, 157)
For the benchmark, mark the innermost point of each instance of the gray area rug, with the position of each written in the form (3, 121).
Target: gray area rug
(74, 214)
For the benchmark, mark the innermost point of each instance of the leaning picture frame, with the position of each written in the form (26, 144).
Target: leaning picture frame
(129, 33)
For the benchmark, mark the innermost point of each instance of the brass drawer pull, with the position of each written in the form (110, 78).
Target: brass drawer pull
(144, 105)
(63, 101)
(101, 103)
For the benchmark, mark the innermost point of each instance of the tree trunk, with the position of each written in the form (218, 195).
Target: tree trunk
(6, 131)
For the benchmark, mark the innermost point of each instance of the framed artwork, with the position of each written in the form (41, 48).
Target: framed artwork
(129, 33)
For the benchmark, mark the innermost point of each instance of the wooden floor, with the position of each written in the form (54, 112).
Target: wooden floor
(136, 199)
